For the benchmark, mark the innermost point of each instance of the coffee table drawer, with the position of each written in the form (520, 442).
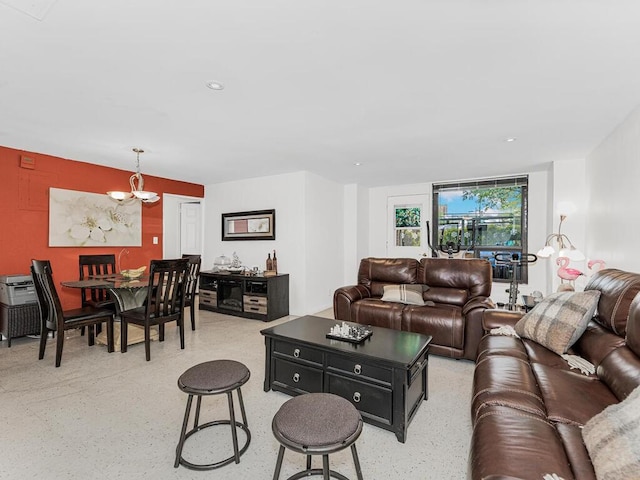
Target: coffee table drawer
(296, 376)
(356, 368)
(297, 352)
(370, 399)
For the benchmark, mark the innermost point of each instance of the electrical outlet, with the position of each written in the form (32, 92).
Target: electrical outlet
(155, 240)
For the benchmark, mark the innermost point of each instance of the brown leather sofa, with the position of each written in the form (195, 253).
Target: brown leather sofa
(458, 292)
(528, 406)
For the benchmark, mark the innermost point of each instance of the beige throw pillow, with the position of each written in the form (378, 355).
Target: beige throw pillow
(409, 294)
(559, 320)
(612, 438)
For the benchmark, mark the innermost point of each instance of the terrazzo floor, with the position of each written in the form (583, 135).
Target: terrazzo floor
(109, 416)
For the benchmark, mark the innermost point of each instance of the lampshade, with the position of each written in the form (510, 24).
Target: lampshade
(565, 247)
(136, 183)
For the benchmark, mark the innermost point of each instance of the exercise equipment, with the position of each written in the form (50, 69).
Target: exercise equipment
(514, 261)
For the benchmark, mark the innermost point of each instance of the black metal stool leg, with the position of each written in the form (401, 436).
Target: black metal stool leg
(276, 474)
(308, 462)
(356, 461)
(183, 431)
(325, 467)
(196, 420)
(244, 415)
(234, 433)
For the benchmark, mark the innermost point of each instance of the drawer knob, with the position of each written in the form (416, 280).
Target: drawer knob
(296, 377)
(296, 352)
(357, 369)
(356, 397)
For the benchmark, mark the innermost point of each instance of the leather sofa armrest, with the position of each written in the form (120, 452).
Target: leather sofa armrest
(495, 318)
(477, 302)
(343, 297)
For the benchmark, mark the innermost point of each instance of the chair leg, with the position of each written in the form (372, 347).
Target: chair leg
(193, 315)
(110, 342)
(161, 332)
(276, 474)
(43, 342)
(123, 334)
(91, 335)
(147, 341)
(181, 328)
(59, 345)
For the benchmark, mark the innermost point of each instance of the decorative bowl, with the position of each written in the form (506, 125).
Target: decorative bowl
(133, 272)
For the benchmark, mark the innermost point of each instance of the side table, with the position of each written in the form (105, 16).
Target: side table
(19, 320)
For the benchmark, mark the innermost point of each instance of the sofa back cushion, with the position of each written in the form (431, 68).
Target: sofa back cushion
(375, 273)
(618, 289)
(455, 281)
(633, 327)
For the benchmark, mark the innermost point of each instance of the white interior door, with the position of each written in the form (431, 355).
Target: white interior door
(190, 228)
(406, 221)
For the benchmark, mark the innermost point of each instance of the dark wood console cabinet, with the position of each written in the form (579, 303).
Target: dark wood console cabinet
(260, 298)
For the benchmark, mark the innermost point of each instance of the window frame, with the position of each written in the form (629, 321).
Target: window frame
(521, 181)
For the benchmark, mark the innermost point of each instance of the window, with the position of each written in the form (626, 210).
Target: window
(407, 226)
(484, 218)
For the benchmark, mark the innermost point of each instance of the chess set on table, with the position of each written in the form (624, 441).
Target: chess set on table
(349, 333)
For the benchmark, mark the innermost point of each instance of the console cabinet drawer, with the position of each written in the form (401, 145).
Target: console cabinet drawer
(297, 352)
(251, 300)
(208, 297)
(296, 376)
(370, 399)
(345, 365)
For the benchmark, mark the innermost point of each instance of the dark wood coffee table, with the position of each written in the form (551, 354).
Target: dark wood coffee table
(385, 376)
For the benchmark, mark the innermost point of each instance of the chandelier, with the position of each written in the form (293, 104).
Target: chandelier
(137, 186)
(565, 247)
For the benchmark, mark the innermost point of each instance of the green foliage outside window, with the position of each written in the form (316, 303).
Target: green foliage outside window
(408, 217)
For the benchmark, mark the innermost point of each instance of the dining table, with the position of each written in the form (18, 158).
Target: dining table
(127, 293)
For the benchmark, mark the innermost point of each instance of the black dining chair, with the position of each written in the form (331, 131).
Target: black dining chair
(164, 302)
(192, 284)
(89, 266)
(54, 319)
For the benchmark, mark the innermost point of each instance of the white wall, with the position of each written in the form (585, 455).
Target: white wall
(309, 232)
(356, 230)
(613, 179)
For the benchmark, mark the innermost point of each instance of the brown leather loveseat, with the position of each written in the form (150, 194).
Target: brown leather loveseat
(456, 292)
(529, 407)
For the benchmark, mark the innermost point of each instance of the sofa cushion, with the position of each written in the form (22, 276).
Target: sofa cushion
(570, 396)
(375, 273)
(375, 312)
(559, 320)
(613, 439)
(444, 323)
(408, 294)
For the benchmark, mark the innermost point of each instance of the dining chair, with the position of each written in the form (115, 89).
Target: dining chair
(90, 265)
(192, 284)
(54, 319)
(164, 303)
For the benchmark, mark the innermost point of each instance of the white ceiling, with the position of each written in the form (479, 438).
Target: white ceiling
(415, 90)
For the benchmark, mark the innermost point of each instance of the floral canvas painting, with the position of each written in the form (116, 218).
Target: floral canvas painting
(82, 219)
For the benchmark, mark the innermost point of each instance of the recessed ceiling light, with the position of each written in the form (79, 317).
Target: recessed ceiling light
(510, 139)
(214, 85)
(357, 164)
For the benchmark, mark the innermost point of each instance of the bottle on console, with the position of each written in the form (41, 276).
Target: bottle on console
(275, 262)
(269, 262)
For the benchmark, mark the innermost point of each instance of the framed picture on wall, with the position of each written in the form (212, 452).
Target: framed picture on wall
(254, 225)
(83, 219)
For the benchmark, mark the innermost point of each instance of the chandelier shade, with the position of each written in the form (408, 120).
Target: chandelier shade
(136, 182)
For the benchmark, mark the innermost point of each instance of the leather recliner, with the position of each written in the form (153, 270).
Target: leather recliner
(458, 292)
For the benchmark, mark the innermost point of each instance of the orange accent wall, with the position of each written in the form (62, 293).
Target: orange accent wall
(24, 213)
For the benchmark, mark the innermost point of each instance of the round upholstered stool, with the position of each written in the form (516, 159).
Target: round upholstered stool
(214, 378)
(317, 424)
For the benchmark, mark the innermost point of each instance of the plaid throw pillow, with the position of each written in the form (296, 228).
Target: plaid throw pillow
(559, 320)
(612, 438)
(408, 294)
